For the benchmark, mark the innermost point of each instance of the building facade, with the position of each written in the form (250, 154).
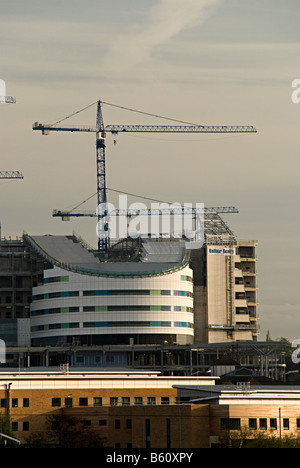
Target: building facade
(146, 410)
(30, 398)
(19, 273)
(89, 302)
(72, 307)
(225, 292)
(54, 291)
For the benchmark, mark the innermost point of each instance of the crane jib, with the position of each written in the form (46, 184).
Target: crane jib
(149, 128)
(179, 129)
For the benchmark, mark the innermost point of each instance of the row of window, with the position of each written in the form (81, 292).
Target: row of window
(255, 424)
(152, 323)
(14, 402)
(24, 425)
(60, 279)
(84, 401)
(186, 278)
(112, 292)
(56, 279)
(113, 401)
(117, 308)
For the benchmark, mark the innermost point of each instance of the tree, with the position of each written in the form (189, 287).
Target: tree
(268, 336)
(5, 424)
(37, 440)
(65, 431)
(246, 438)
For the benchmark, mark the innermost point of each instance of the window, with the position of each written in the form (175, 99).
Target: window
(252, 424)
(3, 403)
(25, 402)
(56, 402)
(286, 424)
(273, 423)
(147, 433)
(102, 422)
(139, 401)
(55, 425)
(128, 423)
(126, 401)
(72, 293)
(54, 295)
(168, 423)
(25, 425)
(14, 402)
(165, 400)
(117, 423)
(234, 423)
(14, 426)
(68, 402)
(151, 400)
(263, 424)
(298, 423)
(230, 424)
(114, 401)
(98, 401)
(83, 401)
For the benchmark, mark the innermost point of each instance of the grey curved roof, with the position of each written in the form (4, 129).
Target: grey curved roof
(66, 252)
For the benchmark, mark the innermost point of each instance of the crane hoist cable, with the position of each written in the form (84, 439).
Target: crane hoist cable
(124, 108)
(123, 193)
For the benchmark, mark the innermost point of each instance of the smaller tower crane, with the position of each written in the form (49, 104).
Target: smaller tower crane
(11, 175)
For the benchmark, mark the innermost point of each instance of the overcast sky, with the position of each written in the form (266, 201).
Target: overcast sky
(212, 62)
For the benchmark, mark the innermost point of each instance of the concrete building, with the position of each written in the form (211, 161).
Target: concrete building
(19, 273)
(225, 291)
(83, 300)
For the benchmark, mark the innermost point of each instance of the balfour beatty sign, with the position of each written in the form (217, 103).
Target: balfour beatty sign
(221, 251)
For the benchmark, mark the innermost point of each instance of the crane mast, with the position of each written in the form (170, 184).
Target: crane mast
(100, 129)
(4, 99)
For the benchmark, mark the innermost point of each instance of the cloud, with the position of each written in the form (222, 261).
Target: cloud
(166, 19)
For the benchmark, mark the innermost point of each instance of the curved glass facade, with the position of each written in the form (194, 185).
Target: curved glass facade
(73, 307)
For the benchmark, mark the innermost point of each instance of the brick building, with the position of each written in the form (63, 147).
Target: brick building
(146, 410)
(29, 398)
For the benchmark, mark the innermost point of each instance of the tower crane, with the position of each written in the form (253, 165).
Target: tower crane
(8, 100)
(11, 175)
(101, 130)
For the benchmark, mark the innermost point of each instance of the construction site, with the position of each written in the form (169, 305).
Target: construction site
(146, 301)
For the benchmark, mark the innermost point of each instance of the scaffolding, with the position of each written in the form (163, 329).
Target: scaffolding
(265, 359)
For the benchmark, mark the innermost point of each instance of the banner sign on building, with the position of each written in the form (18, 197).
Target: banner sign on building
(221, 250)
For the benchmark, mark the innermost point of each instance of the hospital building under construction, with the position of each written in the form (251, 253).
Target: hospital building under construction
(55, 291)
